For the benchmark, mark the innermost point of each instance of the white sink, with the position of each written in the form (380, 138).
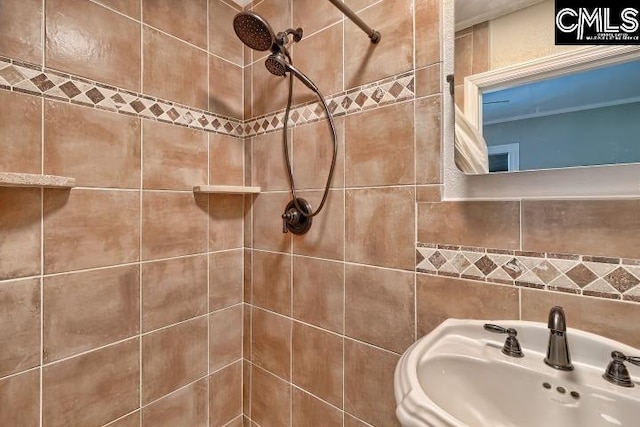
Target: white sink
(458, 376)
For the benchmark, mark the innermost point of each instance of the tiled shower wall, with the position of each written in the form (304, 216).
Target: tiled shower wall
(329, 313)
(121, 299)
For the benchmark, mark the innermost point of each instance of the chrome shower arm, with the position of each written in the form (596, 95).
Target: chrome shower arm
(373, 34)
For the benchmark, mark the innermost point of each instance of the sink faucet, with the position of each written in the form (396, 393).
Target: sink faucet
(558, 349)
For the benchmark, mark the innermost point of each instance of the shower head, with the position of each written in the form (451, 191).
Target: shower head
(277, 65)
(254, 31)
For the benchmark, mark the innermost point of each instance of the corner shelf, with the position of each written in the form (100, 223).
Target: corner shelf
(15, 179)
(226, 189)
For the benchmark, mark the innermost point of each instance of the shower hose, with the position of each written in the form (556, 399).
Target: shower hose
(285, 141)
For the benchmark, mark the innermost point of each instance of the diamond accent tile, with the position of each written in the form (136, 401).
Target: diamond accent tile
(485, 265)
(95, 95)
(581, 275)
(11, 75)
(437, 259)
(621, 279)
(546, 271)
(42, 82)
(460, 262)
(70, 89)
(396, 89)
(156, 110)
(514, 268)
(137, 106)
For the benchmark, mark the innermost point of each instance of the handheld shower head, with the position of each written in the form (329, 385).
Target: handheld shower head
(254, 31)
(277, 65)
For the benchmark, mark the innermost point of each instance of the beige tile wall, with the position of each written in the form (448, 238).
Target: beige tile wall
(328, 314)
(120, 300)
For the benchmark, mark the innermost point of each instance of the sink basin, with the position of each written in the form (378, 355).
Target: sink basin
(458, 376)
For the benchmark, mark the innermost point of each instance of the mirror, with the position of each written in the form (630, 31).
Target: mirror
(524, 103)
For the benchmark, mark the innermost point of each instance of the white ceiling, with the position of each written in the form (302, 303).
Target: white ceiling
(472, 12)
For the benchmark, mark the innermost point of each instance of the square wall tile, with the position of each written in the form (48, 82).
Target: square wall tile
(313, 153)
(226, 160)
(21, 30)
(272, 281)
(482, 224)
(88, 40)
(20, 231)
(175, 158)
(428, 139)
(185, 407)
(174, 70)
(368, 383)
(225, 279)
(366, 62)
(320, 56)
(225, 88)
(313, 15)
(325, 239)
(270, 399)
(226, 221)
(592, 227)
(20, 400)
(318, 293)
(98, 148)
(173, 357)
(225, 395)
(173, 224)
(317, 362)
(19, 327)
(380, 306)
(309, 411)
(271, 342)
(223, 41)
(90, 228)
(89, 309)
(440, 298)
(79, 391)
(370, 159)
(173, 291)
(427, 39)
(268, 167)
(225, 337)
(267, 222)
(380, 227)
(20, 128)
(186, 20)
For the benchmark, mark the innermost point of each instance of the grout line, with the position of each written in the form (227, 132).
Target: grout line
(128, 264)
(319, 328)
(140, 250)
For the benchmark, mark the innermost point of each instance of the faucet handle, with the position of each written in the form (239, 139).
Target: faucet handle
(511, 345)
(617, 372)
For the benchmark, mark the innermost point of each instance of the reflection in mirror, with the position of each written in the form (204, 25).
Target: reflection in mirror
(576, 116)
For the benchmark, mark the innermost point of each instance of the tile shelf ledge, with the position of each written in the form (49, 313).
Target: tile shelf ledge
(16, 179)
(226, 189)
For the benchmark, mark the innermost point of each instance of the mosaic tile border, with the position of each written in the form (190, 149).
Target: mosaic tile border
(603, 277)
(36, 80)
(33, 79)
(383, 92)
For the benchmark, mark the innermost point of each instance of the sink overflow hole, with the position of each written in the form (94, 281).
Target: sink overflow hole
(575, 395)
(546, 385)
(561, 390)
